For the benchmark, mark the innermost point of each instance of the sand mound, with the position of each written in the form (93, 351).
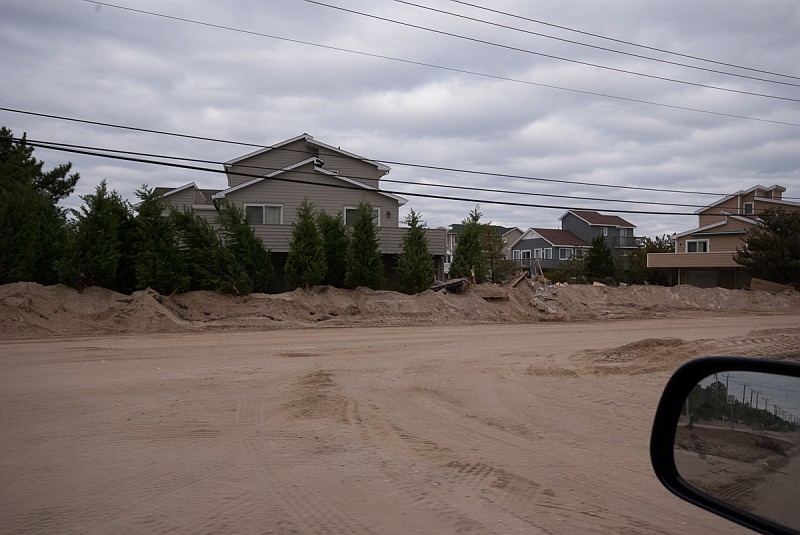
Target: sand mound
(32, 310)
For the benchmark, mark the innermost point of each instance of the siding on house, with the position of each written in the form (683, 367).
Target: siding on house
(588, 225)
(723, 226)
(326, 192)
(352, 168)
(266, 161)
(548, 245)
(302, 168)
(761, 197)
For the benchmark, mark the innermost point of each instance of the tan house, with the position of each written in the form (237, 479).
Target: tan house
(703, 256)
(270, 184)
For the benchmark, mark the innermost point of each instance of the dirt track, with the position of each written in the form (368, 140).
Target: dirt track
(534, 428)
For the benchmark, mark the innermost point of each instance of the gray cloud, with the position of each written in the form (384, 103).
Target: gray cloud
(82, 60)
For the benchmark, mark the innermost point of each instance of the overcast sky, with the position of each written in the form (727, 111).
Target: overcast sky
(485, 98)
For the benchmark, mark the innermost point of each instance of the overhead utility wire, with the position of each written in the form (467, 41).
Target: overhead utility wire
(444, 68)
(596, 47)
(340, 186)
(266, 170)
(551, 56)
(621, 41)
(403, 164)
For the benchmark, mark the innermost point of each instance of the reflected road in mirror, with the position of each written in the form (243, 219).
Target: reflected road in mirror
(738, 439)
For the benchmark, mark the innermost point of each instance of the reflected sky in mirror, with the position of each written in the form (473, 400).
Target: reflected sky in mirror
(738, 439)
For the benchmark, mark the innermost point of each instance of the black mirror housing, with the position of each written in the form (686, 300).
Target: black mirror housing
(662, 439)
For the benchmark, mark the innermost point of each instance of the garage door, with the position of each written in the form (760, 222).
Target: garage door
(702, 279)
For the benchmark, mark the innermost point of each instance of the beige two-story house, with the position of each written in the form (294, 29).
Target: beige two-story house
(270, 184)
(703, 256)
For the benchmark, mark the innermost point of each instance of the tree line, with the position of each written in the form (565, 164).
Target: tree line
(479, 256)
(110, 243)
(712, 402)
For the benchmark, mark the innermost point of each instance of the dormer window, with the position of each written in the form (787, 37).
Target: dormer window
(749, 208)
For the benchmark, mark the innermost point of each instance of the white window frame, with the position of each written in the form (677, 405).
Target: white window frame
(537, 252)
(750, 205)
(565, 253)
(264, 212)
(605, 231)
(706, 247)
(520, 254)
(377, 219)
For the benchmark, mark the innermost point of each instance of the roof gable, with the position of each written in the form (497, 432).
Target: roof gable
(774, 187)
(718, 224)
(555, 237)
(597, 219)
(560, 237)
(317, 169)
(309, 141)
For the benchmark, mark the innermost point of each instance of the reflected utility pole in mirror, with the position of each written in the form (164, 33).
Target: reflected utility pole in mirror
(748, 471)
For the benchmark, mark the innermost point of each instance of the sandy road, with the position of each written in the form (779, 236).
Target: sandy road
(474, 429)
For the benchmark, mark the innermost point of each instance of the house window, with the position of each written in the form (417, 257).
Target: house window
(537, 253)
(696, 246)
(749, 208)
(519, 254)
(351, 212)
(264, 214)
(605, 231)
(547, 253)
(564, 253)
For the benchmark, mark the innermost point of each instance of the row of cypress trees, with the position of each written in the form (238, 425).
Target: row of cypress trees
(110, 244)
(323, 251)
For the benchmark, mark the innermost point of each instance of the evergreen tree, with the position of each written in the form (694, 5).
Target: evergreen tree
(415, 268)
(469, 250)
(93, 251)
(305, 264)
(211, 266)
(772, 250)
(246, 247)
(492, 243)
(17, 165)
(34, 227)
(364, 262)
(599, 261)
(638, 272)
(158, 262)
(336, 242)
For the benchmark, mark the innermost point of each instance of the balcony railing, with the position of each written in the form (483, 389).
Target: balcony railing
(629, 241)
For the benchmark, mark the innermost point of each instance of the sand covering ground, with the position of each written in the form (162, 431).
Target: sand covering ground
(495, 411)
(32, 310)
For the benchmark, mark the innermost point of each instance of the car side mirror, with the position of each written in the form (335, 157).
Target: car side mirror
(726, 437)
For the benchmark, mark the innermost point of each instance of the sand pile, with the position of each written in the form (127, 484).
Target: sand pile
(31, 310)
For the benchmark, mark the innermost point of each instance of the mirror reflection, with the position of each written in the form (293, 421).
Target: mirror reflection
(738, 439)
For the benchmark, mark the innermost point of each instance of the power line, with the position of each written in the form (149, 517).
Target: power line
(550, 56)
(340, 186)
(444, 68)
(588, 45)
(266, 170)
(621, 41)
(388, 162)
